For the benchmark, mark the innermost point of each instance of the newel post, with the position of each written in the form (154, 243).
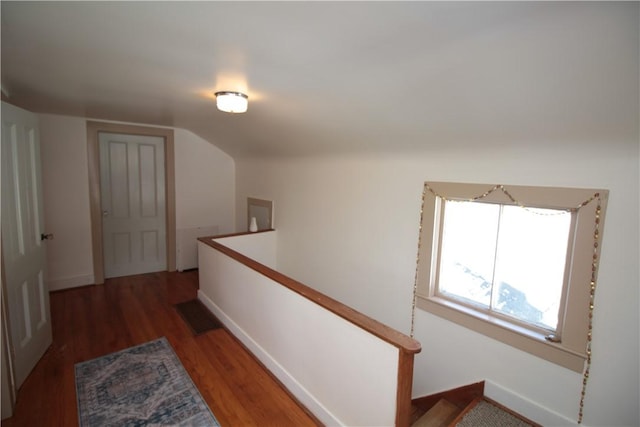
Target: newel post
(405, 384)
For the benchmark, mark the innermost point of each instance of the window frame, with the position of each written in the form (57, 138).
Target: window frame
(573, 327)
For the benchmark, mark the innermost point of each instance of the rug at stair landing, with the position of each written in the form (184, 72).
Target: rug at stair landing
(138, 386)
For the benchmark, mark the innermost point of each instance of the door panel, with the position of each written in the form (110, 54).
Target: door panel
(22, 248)
(132, 186)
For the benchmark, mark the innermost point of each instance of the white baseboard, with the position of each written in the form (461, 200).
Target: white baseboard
(288, 381)
(526, 407)
(70, 282)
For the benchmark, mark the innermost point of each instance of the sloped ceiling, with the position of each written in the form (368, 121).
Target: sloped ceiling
(332, 77)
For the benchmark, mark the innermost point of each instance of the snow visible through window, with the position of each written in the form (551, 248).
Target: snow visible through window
(505, 259)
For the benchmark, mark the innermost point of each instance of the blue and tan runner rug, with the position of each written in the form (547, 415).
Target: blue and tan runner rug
(138, 386)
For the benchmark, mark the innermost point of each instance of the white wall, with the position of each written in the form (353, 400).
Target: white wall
(260, 247)
(205, 184)
(205, 192)
(348, 226)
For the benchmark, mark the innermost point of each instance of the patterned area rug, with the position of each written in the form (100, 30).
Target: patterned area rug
(139, 386)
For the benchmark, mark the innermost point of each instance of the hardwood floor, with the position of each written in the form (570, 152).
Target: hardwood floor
(92, 321)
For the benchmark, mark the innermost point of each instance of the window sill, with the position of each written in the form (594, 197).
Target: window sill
(505, 332)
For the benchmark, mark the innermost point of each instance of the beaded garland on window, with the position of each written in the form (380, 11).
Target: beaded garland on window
(592, 284)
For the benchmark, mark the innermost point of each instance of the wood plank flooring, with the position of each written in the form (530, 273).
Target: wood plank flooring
(92, 321)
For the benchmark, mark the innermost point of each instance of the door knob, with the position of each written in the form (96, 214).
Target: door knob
(105, 213)
(48, 236)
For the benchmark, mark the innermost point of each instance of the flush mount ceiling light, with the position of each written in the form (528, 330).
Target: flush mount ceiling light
(232, 102)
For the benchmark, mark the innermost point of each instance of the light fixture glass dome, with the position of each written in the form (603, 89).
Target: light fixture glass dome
(232, 102)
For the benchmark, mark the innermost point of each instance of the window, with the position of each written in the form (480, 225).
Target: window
(491, 258)
(515, 263)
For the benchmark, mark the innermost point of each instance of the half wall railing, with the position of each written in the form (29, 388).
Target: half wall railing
(344, 367)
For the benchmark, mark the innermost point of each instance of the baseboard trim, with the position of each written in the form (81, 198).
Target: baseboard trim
(289, 382)
(70, 282)
(525, 407)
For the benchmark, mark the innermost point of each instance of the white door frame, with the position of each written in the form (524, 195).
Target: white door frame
(93, 152)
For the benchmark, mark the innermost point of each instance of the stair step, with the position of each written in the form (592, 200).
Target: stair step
(485, 412)
(440, 415)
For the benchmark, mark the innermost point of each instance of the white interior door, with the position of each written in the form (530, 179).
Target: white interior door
(23, 249)
(132, 186)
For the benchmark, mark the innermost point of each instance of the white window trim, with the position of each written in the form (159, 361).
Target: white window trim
(571, 352)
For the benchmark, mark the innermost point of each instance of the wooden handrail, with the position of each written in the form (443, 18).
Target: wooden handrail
(403, 342)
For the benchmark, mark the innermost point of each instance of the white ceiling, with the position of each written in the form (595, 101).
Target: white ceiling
(332, 77)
